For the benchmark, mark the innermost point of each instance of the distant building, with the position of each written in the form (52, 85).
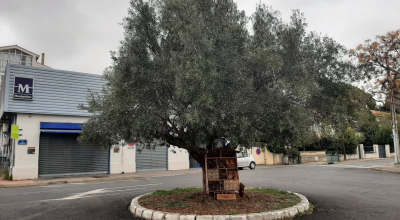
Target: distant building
(15, 54)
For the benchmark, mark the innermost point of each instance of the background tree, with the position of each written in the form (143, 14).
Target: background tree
(379, 60)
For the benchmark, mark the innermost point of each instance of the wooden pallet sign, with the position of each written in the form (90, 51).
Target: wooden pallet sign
(222, 175)
(226, 196)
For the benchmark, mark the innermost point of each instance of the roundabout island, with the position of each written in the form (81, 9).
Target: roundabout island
(194, 204)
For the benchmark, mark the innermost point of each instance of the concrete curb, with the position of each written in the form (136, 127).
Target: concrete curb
(84, 180)
(65, 181)
(141, 212)
(380, 169)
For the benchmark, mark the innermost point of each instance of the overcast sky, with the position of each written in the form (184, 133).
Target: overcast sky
(77, 35)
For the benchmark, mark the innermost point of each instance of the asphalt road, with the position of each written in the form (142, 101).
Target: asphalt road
(339, 191)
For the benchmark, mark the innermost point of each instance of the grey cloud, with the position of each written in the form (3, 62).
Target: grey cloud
(77, 35)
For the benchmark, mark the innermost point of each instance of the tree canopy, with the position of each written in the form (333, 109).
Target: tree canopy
(379, 61)
(189, 72)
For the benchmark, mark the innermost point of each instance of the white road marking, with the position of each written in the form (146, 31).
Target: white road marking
(51, 186)
(81, 195)
(58, 190)
(93, 193)
(153, 184)
(367, 166)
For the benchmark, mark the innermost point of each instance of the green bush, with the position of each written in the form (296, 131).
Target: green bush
(384, 136)
(4, 173)
(352, 139)
(174, 191)
(292, 152)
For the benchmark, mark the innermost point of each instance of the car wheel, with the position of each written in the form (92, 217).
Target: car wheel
(252, 165)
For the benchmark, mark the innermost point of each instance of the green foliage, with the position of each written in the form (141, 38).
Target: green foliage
(307, 212)
(188, 72)
(292, 152)
(369, 129)
(142, 202)
(187, 197)
(4, 173)
(384, 136)
(351, 139)
(274, 192)
(174, 204)
(174, 191)
(232, 213)
(287, 199)
(276, 147)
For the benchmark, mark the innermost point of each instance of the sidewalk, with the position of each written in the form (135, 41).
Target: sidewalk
(94, 178)
(364, 160)
(389, 168)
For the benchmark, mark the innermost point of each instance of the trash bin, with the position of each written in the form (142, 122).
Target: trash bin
(285, 159)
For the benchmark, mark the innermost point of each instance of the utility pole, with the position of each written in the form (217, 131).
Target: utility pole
(394, 128)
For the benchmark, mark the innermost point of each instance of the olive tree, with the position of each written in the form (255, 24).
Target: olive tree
(188, 73)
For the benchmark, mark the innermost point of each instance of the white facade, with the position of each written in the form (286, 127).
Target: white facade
(26, 165)
(124, 161)
(178, 158)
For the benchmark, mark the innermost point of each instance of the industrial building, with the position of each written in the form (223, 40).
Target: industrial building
(43, 102)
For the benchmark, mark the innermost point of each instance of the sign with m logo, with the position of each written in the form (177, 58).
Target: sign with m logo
(23, 88)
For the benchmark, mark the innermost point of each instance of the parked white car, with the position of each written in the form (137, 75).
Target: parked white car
(245, 159)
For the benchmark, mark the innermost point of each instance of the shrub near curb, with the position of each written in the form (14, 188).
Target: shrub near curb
(290, 212)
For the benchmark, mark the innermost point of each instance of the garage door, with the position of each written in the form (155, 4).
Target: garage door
(151, 160)
(61, 154)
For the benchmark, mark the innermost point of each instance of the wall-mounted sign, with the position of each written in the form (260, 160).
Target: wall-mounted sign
(116, 149)
(258, 151)
(23, 88)
(133, 143)
(31, 150)
(22, 142)
(14, 131)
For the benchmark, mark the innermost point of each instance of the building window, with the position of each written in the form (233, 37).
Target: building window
(14, 56)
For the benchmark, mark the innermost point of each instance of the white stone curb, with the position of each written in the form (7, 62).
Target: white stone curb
(140, 212)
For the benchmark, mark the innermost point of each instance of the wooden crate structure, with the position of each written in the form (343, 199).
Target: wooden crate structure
(222, 175)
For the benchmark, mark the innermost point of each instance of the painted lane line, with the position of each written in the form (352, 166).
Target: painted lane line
(98, 195)
(58, 190)
(80, 195)
(153, 184)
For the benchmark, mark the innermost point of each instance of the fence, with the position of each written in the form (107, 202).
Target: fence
(369, 150)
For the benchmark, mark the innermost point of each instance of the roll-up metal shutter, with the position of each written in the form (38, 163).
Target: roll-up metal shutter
(151, 160)
(61, 154)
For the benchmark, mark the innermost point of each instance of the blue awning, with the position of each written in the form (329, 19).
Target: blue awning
(60, 131)
(63, 126)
